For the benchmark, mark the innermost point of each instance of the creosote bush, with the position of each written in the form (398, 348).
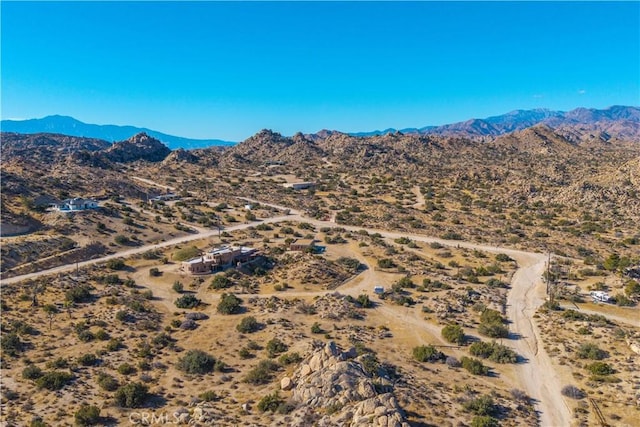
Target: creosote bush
(247, 325)
(474, 366)
(187, 301)
(427, 353)
(196, 362)
(87, 415)
(132, 395)
(270, 402)
(453, 334)
(229, 304)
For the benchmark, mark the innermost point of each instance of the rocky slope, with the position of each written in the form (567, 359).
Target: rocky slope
(336, 384)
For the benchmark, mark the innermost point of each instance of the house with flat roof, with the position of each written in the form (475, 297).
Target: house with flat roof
(219, 258)
(76, 204)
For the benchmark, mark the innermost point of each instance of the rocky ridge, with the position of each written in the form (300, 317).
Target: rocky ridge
(335, 383)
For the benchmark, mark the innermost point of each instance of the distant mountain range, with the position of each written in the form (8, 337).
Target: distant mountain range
(522, 119)
(620, 122)
(69, 126)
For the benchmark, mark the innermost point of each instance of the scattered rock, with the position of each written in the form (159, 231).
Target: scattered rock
(286, 383)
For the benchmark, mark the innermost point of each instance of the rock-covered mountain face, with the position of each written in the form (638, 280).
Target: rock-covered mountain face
(52, 148)
(138, 147)
(45, 146)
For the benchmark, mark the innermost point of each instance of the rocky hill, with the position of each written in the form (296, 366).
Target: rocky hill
(138, 147)
(46, 146)
(331, 378)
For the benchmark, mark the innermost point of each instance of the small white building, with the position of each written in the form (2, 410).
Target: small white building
(76, 204)
(600, 296)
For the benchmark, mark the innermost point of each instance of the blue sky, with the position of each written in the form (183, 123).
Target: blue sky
(228, 69)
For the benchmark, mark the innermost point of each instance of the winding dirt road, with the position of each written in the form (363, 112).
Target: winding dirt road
(536, 376)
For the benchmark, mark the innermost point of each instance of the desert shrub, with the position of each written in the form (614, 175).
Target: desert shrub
(351, 264)
(187, 301)
(261, 374)
(79, 293)
(482, 405)
(31, 372)
(289, 358)
(186, 253)
(364, 301)
(495, 283)
(573, 392)
(316, 328)
(503, 258)
(623, 301)
(86, 336)
(484, 421)
(245, 353)
(590, 351)
(386, 263)
(474, 366)
(453, 334)
(247, 325)
(196, 362)
(275, 346)
(177, 287)
(102, 335)
(491, 316)
(87, 415)
(270, 402)
(114, 344)
(107, 382)
(427, 353)
(632, 288)
(220, 281)
(162, 340)
(132, 395)
(121, 240)
(493, 351)
(229, 304)
(434, 285)
(151, 255)
(209, 396)
(116, 264)
(126, 369)
(154, 272)
(54, 380)
(574, 315)
(493, 330)
(11, 344)
(600, 368)
(59, 363)
(88, 359)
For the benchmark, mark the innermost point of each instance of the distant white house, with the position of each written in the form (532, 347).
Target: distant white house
(76, 204)
(164, 197)
(600, 296)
